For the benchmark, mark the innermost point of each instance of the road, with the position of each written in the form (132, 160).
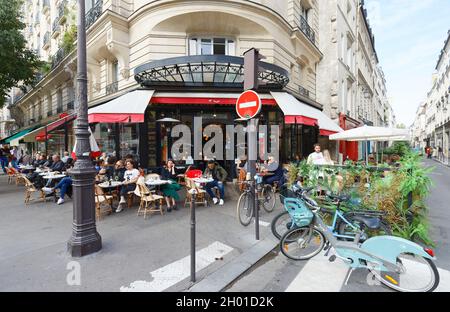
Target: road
(277, 273)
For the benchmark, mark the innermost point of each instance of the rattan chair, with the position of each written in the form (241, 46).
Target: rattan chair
(148, 200)
(101, 199)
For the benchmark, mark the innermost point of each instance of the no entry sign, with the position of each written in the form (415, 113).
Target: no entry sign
(248, 104)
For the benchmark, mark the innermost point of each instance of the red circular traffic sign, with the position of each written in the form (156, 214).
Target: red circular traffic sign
(248, 104)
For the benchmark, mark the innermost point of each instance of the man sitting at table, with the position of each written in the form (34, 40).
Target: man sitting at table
(219, 175)
(57, 164)
(131, 176)
(65, 187)
(276, 170)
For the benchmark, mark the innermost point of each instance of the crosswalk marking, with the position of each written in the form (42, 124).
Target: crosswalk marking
(262, 223)
(177, 271)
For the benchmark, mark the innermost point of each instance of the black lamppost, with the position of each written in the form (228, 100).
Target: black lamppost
(85, 239)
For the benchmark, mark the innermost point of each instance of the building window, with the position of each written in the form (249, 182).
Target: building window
(115, 71)
(211, 46)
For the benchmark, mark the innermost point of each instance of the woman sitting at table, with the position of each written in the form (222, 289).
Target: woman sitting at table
(169, 172)
(131, 175)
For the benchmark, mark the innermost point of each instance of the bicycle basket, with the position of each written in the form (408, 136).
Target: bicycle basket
(298, 211)
(286, 192)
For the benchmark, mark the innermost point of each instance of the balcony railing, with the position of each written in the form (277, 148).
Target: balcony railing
(58, 57)
(46, 6)
(93, 14)
(304, 92)
(71, 104)
(49, 113)
(56, 28)
(61, 16)
(46, 40)
(112, 88)
(307, 30)
(59, 109)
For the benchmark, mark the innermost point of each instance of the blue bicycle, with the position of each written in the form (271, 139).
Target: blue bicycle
(344, 226)
(396, 262)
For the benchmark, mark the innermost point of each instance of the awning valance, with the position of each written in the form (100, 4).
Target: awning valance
(129, 107)
(41, 134)
(298, 112)
(369, 133)
(14, 139)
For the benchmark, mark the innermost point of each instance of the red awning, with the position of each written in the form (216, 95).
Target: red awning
(324, 132)
(129, 107)
(300, 120)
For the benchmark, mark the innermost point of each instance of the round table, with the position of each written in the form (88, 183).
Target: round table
(113, 184)
(203, 180)
(54, 176)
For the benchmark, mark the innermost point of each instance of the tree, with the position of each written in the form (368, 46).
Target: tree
(17, 63)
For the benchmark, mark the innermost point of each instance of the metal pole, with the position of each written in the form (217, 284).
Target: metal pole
(193, 194)
(85, 238)
(252, 128)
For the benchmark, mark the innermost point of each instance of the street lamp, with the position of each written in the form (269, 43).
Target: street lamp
(444, 141)
(85, 239)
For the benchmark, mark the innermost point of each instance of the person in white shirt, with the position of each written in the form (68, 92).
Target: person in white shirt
(131, 175)
(316, 158)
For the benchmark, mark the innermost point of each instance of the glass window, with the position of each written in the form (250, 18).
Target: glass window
(104, 134)
(129, 140)
(115, 71)
(211, 46)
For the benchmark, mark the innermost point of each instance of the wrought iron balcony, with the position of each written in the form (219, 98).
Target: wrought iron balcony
(71, 104)
(58, 57)
(112, 88)
(46, 6)
(46, 40)
(61, 17)
(303, 91)
(59, 109)
(56, 28)
(49, 113)
(220, 71)
(307, 30)
(93, 14)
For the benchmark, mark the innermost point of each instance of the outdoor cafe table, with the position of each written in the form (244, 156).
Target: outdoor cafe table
(28, 167)
(113, 184)
(54, 176)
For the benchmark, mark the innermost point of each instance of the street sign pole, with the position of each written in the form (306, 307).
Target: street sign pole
(251, 59)
(193, 194)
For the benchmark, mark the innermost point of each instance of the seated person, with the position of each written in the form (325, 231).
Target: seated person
(48, 161)
(275, 168)
(219, 175)
(64, 185)
(169, 172)
(131, 175)
(108, 169)
(57, 164)
(119, 170)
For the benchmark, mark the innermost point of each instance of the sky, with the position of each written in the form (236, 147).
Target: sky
(409, 35)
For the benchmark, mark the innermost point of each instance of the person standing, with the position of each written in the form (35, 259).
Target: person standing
(316, 157)
(3, 159)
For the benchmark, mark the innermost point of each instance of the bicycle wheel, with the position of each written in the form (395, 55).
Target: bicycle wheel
(245, 208)
(346, 229)
(302, 243)
(281, 224)
(268, 196)
(418, 274)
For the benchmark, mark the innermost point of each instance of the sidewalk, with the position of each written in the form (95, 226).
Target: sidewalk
(137, 254)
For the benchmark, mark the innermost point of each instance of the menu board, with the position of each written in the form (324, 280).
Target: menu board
(152, 139)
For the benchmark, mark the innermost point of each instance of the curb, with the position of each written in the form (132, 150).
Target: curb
(227, 274)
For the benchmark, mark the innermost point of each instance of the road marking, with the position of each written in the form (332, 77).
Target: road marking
(177, 271)
(247, 104)
(319, 274)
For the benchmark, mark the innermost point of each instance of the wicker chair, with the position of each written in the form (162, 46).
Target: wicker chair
(30, 189)
(101, 199)
(148, 198)
(200, 193)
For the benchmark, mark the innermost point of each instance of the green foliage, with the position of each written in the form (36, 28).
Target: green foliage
(386, 190)
(398, 148)
(17, 63)
(68, 40)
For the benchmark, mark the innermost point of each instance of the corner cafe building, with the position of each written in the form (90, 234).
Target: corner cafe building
(175, 90)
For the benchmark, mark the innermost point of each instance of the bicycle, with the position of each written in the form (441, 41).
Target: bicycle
(266, 198)
(345, 225)
(396, 262)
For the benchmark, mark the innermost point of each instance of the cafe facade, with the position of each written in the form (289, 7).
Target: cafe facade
(173, 60)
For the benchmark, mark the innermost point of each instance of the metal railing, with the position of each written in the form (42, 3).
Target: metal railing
(56, 27)
(112, 88)
(61, 16)
(93, 14)
(59, 109)
(49, 113)
(307, 30)
(303, 91)
(46, 39)
(71, 104)
(58, 57)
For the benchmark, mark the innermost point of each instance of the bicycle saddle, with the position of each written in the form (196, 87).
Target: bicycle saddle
(372, 223)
